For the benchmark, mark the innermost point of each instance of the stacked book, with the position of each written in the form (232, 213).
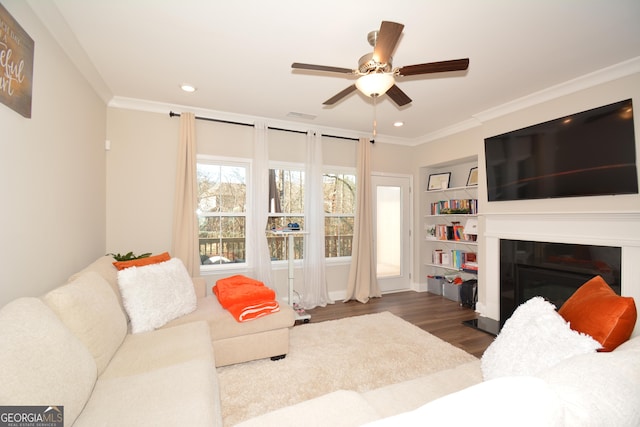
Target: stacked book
(455, 206)
(456, 259)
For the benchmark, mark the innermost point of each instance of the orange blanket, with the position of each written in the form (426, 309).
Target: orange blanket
(245, 298)
(243, 312)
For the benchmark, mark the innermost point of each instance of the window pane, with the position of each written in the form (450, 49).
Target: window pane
(389, 231)
(339, 205)
(221, 212)
(338, 236)
(222, 188)
(286, 192)
(277, 246)
(339, 193)
(286, 204)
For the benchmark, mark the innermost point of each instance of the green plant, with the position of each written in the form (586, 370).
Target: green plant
(129, 256)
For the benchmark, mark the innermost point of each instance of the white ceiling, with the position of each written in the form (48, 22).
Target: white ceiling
(239, 54)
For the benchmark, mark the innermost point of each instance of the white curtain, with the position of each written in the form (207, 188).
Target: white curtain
(315, 291)
(363, 283)
(185, 244)
(258, 208)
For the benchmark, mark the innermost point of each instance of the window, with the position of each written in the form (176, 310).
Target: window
(286, 206)
(222, 217)
(339, 206)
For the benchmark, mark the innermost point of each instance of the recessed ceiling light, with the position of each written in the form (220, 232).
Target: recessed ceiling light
(187, 88)
(398, 124)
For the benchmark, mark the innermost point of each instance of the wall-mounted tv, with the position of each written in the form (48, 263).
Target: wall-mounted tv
(585, 154)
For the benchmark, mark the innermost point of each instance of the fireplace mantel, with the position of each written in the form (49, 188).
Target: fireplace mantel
(620, 229)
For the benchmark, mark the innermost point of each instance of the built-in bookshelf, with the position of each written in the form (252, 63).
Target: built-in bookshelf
(450, 221)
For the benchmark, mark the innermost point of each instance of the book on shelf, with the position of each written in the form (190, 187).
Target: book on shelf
(455, 206)
(455, 258)
(470, 267)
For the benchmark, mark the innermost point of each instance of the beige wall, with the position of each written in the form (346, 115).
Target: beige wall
(52, 173)
(141, 173)
(70, 201)
(618, 90)
(471, 143)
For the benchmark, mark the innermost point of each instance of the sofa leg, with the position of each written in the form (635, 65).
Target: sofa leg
(279, 357)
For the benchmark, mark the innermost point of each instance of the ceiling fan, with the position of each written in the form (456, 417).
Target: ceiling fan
(376, 72)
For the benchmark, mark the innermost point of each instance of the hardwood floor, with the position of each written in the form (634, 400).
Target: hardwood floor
(433, 313)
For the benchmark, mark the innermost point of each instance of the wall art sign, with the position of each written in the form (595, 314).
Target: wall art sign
(16, 65)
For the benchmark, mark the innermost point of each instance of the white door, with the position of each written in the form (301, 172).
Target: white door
(392, 234)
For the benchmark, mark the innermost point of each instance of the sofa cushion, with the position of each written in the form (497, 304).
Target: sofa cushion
(41, 361)
(104, 267)
(599, 389)
(509, 401)
(141, 262)
(342, 408)
(181, 394)
(155, 294)
(408, 395)
(90, 309)
(159, 378)
(597, 310)
(158, 349)
(533, 339)
(223, 325)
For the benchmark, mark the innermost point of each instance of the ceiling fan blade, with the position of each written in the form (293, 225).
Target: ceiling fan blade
(434, 67)
(299, 66)
(398, 96)
(337, 97)
(388, 37)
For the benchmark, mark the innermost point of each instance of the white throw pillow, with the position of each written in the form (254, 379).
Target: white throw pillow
(155, 294)
(599, 389)
(533, 339)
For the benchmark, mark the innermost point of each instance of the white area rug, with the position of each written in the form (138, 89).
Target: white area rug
(356, 353)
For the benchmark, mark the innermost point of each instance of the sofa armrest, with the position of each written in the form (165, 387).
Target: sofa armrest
(200, 286)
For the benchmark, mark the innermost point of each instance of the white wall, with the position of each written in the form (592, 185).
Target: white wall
(52, 173)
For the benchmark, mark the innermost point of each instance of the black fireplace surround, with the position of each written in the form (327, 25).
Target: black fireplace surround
(551, 270)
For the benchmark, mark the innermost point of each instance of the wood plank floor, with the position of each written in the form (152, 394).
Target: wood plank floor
(433, 313)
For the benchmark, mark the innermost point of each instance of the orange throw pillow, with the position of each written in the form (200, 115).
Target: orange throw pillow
(155, 259)
(596, 310)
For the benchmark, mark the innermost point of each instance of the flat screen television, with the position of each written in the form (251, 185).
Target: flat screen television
(585, 154)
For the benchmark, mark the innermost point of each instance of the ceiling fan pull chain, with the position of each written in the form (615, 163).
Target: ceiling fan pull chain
(375, 121)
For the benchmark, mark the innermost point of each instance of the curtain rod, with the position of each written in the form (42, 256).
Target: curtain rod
(209, 119)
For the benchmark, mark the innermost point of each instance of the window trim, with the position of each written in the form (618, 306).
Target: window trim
(208, 269)
(344, 170)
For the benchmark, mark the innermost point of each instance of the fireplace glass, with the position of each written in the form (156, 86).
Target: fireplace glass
(551, 270)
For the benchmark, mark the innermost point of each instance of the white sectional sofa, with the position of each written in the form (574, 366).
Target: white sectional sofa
(538, 372)
(73, 348)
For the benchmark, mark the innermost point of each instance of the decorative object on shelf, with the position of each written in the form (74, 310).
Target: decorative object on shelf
(430, 231)
(439, 181)
(473, 177)
(471, 229)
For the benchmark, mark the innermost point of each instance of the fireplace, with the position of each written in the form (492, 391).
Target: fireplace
(619, 230)
(552, 270)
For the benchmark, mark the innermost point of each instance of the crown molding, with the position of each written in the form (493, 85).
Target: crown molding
(165, 108)
(605, 75)
(587, 81)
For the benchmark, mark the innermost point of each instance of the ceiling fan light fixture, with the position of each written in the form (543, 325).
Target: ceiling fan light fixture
(375, 84)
